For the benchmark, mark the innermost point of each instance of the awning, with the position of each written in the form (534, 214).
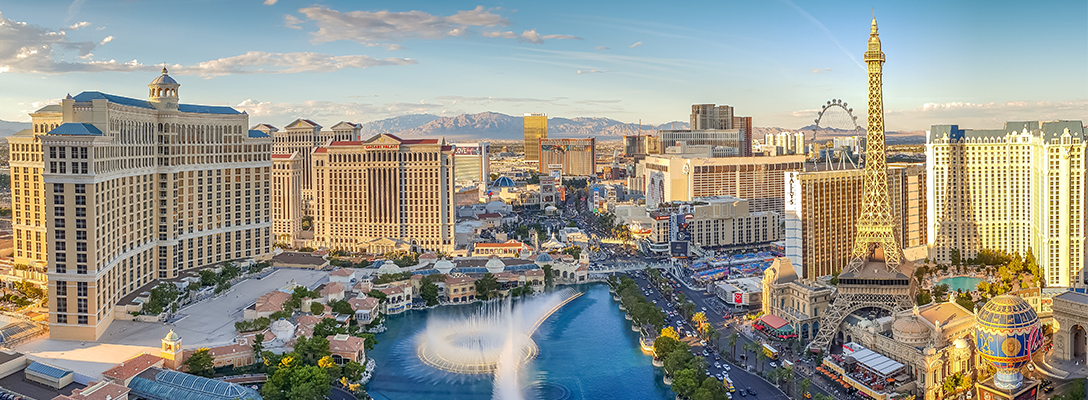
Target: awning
(774, 321)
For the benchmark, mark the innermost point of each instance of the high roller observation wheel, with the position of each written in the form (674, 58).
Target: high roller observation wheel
(829, 106)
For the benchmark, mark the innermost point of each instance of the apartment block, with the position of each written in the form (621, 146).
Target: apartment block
(756, 179)
(576, 157)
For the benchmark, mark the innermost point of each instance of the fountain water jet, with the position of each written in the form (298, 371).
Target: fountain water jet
(494, 340)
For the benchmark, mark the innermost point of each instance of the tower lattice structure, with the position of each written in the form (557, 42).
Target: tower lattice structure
(872, 278)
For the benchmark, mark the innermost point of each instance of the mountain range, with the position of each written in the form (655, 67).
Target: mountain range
(8, 128)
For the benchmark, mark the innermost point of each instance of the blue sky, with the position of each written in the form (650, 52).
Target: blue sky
(977, 64)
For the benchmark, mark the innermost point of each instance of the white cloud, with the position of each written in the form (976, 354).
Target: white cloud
(318, 109)
(73, 10)
(498, 34)
(820, 70)
(259, 62)
(269, 2)
(291, 21)
(530, 36)
(377, 28)
(78, 25)
(601, 48)
(26, 48)
(589, 71)
(993, 114)
(635, 45)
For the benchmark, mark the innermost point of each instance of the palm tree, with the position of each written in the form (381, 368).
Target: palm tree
(733, 344)
(805, 385)
(787, 375)
(761, 357)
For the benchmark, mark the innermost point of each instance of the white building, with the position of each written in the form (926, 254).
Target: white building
(1015, 189)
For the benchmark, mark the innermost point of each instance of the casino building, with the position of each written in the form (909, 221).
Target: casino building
(126, 191)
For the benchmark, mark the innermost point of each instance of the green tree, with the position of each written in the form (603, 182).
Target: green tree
(664, 346)
(258, 347)
(317, 308)
(487, 287)
(304, 382)
(276, 316)
(683, 382)
(1077, 392)
(208, 278)
(940, 293)
(956, 258)
(200, 363)
(429, 289)
(353, 371)
(678, 359)
(549, 275)
(312, 349)
(341, 307)
(327, 327)
(964, 300)
(923, 297)
(805, 385)
(377, 294)
(229, 271)
(733, 344)
(835, 278)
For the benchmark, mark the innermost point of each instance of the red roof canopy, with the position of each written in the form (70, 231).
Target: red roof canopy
(774, 321)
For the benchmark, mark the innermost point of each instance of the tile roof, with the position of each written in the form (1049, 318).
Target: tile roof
(345, 343)
(101, 390)
(508, 243)
(457, 280)
(331, 288)
(366, 303)
(488, 215)
(132, 367)
(285, 156)
(343, 272)
(307, 320)
(534, 272)
(272, 301)
(392, 290)
(47, 370)
(128, 101)
(76, 129)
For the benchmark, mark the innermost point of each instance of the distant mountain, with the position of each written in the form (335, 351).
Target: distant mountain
(8, 128)
(492, 125)
(396, 124)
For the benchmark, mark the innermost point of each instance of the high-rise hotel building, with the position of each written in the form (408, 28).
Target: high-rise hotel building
(1011, 189)
(302, 136)
(536, 128)
(384, 194)
(471, 162)
(577, 157)
(822, 209)
(759, 180)
(287, 172)
(131, 190)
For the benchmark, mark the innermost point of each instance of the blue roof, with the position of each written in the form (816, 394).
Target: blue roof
(73, 128)
(471, 270)
(47, 370)
(425, 272)
(543, 257)
(253, 133)
(521, 267)
(504, 182)
(128, 101)
(174, 385)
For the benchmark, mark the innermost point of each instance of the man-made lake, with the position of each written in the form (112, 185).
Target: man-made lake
(964, 283)
(587, 351)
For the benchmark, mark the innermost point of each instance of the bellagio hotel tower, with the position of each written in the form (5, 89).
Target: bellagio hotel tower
(111, 193)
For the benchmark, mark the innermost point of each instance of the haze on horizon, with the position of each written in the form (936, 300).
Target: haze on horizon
(976, 64)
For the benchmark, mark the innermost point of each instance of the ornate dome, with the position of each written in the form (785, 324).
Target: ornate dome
(495, 265)
(444, 266)
(543, 257)
(172, 337)
(1007, 333)
(960, 343)
(164, 79)
(910, 330)
(504, 181)
(388, 267)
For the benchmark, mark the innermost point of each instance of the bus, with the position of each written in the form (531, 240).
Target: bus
(770, 352)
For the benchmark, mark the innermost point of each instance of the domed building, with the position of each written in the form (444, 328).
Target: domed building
(911, 330)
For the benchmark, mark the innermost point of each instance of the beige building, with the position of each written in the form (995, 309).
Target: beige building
(720, 221)
(758, 179)
(822, 209)
(1011, 189)
(302, 136)
(142, 189)
(287, 172)
(576, 157)
(536, 128)
(384, 194)
(799, 301)
(28, 205)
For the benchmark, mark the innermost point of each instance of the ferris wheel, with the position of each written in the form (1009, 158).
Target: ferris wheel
(836, 118)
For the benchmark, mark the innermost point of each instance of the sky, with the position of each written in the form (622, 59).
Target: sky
(972, 63)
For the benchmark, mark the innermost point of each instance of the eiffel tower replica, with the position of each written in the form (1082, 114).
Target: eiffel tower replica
(874, 276)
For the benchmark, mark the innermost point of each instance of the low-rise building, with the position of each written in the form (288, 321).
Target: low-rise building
(398, 298)
(267, 304)
(741, 292)
(343, 275)
(332, 291)
(100, 390)
(460, 288)
(345, 348)
(509, 248)
(366, 308)
(719, 221)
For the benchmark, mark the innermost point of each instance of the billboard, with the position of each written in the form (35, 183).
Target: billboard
(738, 298)
(678, 249)
(466, 151)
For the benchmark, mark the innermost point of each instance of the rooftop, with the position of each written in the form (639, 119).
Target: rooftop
(76, 129)
(101, 390)
(291, 257)
(128, 101)
(132, 367)
(166, 384)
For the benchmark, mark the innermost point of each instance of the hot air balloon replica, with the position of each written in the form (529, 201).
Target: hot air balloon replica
(1007, 333)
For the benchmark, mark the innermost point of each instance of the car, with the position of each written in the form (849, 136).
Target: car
(751, 392)
(717, 365)
(774, 364)
(727, 367)
(742, 393)
(1048, 389)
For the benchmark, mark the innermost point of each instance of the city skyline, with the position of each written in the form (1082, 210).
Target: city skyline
(344, 61)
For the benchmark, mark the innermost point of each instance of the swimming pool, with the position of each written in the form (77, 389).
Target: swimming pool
(964, 283)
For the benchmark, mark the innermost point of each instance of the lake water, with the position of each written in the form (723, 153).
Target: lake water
(964, 283)
(587, 351)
